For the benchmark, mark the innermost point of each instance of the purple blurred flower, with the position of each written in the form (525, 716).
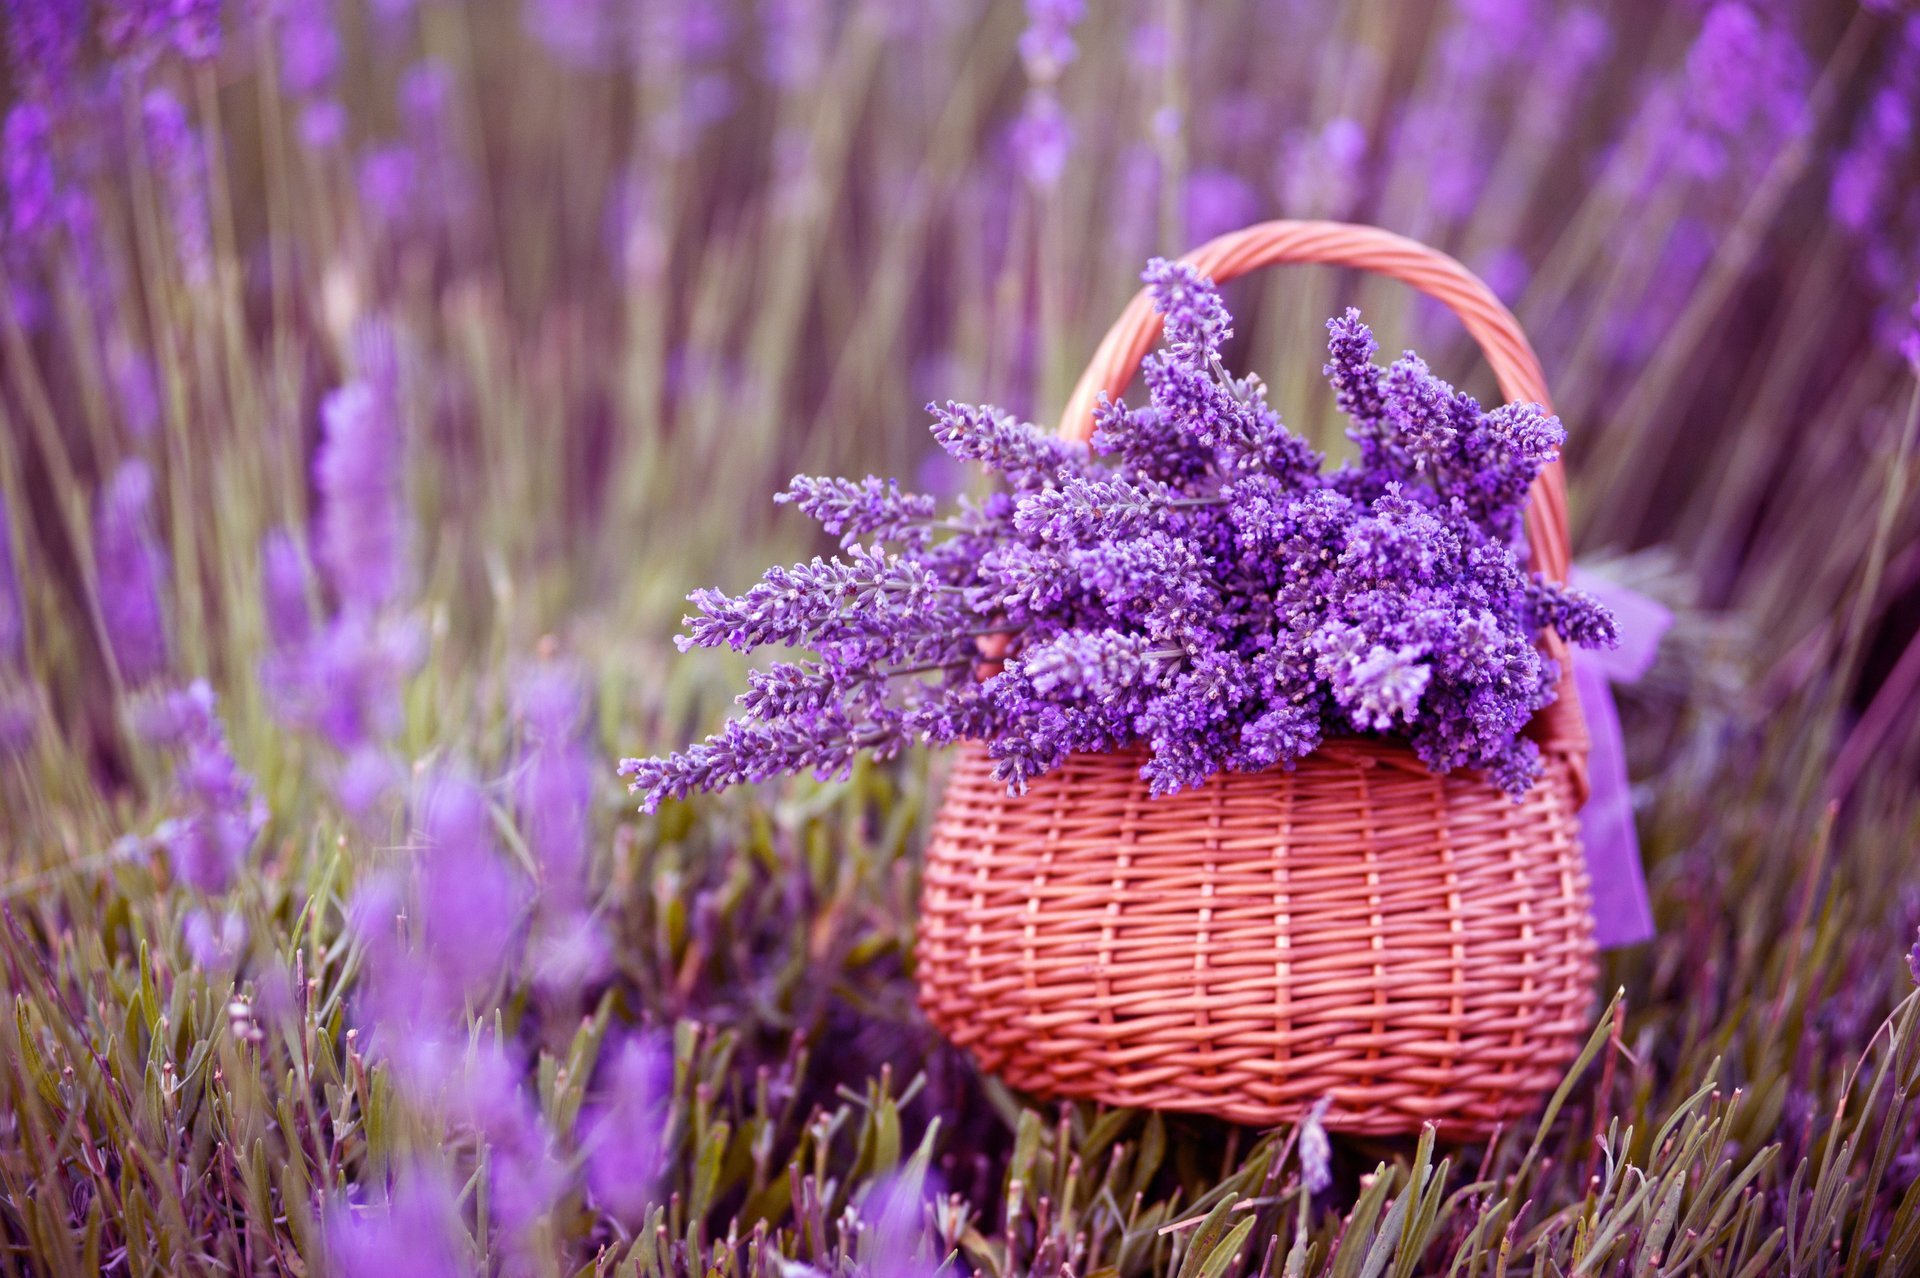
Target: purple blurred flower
(470, 901)
(1871, 195)
(895, 1240)
(1506, 272)
(1316, 1152)
(130, 570)
(45, 38)
(19, 719)
(412, 1233)
(486, 1090)
(1041, 139)
(284, 591)
(215, 941)
(389, 183)
(1492, 33)
(580, 32)
(437, 940)
(13, 617)
(569, 952)
(554, 779)
(425, 99)
(1635, 329)
(1217, 201)
(358, 471)
(1319, 171)
(345, 682)
(323, 124)
(174, 149)
(1046, 46)
(217, 817)
(622, 1134)
(793, 41)
(19, 706)
(28, 165)
(367, 779)
(135, 389)
(309, 47)
(1909, 341)
(1742, 93)
(142, 30)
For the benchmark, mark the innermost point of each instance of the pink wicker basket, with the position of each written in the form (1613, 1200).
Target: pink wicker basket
(1417, 948)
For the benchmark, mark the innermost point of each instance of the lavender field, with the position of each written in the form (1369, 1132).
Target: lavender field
(378, 377)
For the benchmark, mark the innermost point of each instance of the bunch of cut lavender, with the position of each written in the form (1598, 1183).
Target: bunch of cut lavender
(1193, 583)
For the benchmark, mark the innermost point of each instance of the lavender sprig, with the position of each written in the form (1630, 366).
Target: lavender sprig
(872, 508)
(1209, 593)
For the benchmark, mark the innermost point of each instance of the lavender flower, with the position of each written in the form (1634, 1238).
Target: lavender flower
(1316, 1152)
(469, 899)
(215, 941)
(18, 704)
(130, 570)
(1319, 173)
(27, 160)
(895, 1211)
(175, 151)
(13, 617)
(622, 1135)
(284, 591)
(1041, 139)
(1745, 81)
(1017, 451)
(143, 30)
(411, 1233)
(1212, 594)
(869, 509)
(1046, 46)
(309, 47)
(45, 37)
(554, 781)
(217, 816)
(436, 940)
(1217, 201)
(358, 472)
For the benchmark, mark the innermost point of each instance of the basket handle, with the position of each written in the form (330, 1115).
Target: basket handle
(1369, 249)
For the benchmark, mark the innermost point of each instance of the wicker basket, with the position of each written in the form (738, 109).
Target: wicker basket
(1417, 948)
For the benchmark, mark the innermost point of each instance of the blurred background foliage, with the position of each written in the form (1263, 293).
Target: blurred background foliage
(542, 299)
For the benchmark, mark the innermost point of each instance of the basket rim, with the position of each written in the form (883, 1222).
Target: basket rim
(1344, 750)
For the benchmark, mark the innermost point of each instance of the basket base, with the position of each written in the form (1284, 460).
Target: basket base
(1417, 949)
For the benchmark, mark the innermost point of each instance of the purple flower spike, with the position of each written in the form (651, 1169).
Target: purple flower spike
(283, 589)
(13, 618)
(896, 1241)
(412, 1233)
(309, 47)
(470, 902)
(174, 149)
(26, 157)
(218, 818)
(131, 571)
(622, 1135)
(1046, 46)
(554, 781)
(358, 472)
(1316, 1151)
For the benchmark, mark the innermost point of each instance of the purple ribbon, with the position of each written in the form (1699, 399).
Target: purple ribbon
(1620, 911)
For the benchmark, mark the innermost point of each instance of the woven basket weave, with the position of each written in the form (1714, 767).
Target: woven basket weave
(1416, 948)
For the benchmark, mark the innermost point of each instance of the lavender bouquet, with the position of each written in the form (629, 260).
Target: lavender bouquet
(1193, 582)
